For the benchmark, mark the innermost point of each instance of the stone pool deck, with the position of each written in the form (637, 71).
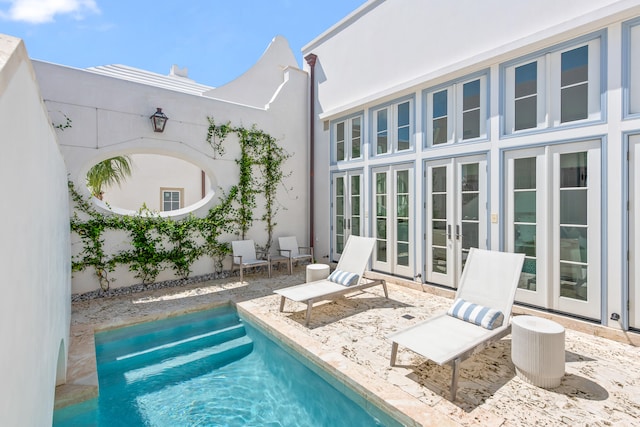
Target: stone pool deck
(601, 386)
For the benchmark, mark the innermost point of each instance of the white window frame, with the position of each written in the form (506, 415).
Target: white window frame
(455, 112)
(549, 69)
(180, 192)
(631, 68)
(392, 127)
(348, 138)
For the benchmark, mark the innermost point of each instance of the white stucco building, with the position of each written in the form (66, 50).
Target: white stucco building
(442, 126)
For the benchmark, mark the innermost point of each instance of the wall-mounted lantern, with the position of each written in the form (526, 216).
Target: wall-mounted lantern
(159, 120)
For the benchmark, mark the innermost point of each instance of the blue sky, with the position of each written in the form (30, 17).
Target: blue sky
(217, 40)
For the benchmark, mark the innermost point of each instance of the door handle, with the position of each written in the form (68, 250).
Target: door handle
(458, 235)
(348, 223)
(449, 231)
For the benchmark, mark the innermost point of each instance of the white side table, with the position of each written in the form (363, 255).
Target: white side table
(537, 350)
(317, 272)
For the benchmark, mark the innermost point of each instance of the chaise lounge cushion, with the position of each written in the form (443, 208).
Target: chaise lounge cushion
(487, 317)
(343, 278)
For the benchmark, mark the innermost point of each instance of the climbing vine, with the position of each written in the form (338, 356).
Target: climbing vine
(156, 243)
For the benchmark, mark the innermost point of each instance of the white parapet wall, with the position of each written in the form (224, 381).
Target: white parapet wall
(35, 307)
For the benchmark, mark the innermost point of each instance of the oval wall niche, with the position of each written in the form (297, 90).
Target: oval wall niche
(159, 182)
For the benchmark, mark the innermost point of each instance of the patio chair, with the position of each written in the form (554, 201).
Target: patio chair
(486, 291)
(244, 256)
(289, 249)
(347, 278)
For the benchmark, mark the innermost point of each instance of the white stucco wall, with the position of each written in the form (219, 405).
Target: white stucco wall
(35, 307)
(110, 116)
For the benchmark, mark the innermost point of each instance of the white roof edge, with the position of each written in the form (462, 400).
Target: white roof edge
(584, 23)
(342, 23)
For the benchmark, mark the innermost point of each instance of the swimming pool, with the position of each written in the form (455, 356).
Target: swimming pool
(212, 368)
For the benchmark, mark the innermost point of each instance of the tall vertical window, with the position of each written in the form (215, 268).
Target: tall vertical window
(526, 96)
(457, 112)
(554, 88)
(171, 199)
(347, 137)
(393, 128)
(524, 218)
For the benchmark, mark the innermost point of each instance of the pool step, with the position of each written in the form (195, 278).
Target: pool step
(138, 356)
(111, 345)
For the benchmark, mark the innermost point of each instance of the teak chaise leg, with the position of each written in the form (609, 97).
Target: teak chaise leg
(384, 286)
(282, 303)
(455, 364)
(308, 318)
(394, 353)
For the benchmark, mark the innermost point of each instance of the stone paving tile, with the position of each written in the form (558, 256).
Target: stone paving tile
(601, 386)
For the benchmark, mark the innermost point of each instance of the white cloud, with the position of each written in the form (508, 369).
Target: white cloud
(41, 11)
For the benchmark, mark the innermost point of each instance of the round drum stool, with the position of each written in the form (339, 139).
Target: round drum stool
(537, 350)
(317, 272)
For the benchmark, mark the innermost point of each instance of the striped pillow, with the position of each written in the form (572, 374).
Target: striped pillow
(343, 278)
(488, 318)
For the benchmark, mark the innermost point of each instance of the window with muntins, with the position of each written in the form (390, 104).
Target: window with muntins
(348, 139)
(393, 128)
(457, 112)
(554, 89)
(171, 200)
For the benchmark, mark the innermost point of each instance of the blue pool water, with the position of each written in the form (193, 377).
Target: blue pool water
(212, 368)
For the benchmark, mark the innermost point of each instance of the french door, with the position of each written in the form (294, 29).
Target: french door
(553, 216)
(456, 215)
(634, 231)
(393, 221)
(347, 209)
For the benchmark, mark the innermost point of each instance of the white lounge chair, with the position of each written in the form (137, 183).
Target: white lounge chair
(289, 249)
(354, 259)
(489, 279)
(244, 256)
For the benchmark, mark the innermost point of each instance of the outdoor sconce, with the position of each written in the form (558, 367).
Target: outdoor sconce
(159, 120)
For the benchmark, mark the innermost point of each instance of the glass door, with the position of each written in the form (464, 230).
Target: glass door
(456, 215)
(634, 231)
(393, 220)
(347, 209)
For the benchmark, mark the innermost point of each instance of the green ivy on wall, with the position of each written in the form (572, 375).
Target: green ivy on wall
(158, 243)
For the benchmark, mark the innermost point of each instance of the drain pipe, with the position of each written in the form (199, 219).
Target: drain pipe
(311, 61)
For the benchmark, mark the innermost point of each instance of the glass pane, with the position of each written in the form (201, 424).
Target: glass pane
(166, 206)
(403, 254)
(439, 233)
(340, 141)
(339, 244)
(528, 275)
(470, 177)
(403, 230)
(355, 148)
(381, 120)
(403, 205)
(439, 176)
(524, 206)
(402, 181)
(440, 260)
(573, 244)
(573, 281)
(340, 150)
(470, 206)
(403, 139)
(440, 135)
(439, 206)
(381, 250)
(355, 138)
(471, 95)
(526, 113)
(167, 195)
(525, 242)
(573, 206)
(471, 124)
(573, 170)
(355, 226)
(525, 173)
(355, 205)
(340, 186)
(355, 185)
(403, 114)
(575, 66)
(469, 235)
(355, 127)
(382, 143)
(339, 224)
(574, 103)
(381, 228)
(526, 80)
(440, 104)
(381, 206)
(381, 183)
(340, 205)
